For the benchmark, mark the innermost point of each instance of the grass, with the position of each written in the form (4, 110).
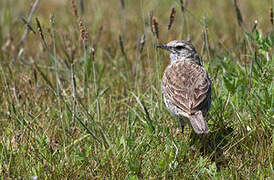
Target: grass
(83, 107)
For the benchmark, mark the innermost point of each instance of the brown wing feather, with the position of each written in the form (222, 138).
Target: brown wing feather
(188, 86)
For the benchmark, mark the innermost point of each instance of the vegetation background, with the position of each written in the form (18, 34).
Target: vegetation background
(80, 90)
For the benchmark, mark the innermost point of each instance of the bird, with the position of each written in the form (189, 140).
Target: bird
(186, 86)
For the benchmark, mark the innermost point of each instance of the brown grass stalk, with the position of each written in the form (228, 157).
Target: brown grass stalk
(171, 17)
(40, 30)
(238, 14)
(41, 34)
(150, 16)
(28, 25)
(121, 43)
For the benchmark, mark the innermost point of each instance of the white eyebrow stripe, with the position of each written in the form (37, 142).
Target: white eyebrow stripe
(180, 44)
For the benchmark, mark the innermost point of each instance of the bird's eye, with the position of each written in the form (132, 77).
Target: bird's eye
(179, 47)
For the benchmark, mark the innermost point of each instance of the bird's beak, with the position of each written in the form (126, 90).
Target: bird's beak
(163, 46)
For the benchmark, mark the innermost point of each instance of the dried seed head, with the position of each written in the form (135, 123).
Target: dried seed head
(40, 29)
(238, 13)
(155, 27)
(171, 17)
(92, 51)
(121, 42)
(83, 31)
(255, 25)
(182, 6)
(74, 8)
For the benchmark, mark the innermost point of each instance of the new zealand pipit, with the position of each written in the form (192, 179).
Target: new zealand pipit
(186, 86)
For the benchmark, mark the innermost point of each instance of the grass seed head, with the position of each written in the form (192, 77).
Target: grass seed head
(255, 25)
(83, 31)
(238, 13)
(171, 17)
(182, 6)
(40, 31)
(155, 27)
(121, 43)
(92, 51)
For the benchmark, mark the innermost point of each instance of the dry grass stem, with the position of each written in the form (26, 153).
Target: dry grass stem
(271, 16)
(171, 17)
(142, 43)
(255, 25)
(150, 16)
(40, 30)
(92, 51)
(74, 93)
(28, 25)
(182, 6)
(74, 8)
(82, 6)
(32, 9)
(205, 34)
(121, 43)
(238, 14)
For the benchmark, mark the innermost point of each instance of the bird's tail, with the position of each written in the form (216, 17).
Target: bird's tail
(198, 123)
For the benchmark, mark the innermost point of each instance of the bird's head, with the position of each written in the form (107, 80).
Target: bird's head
(181, 50)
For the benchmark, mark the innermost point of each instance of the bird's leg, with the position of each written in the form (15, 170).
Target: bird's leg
(181, 120)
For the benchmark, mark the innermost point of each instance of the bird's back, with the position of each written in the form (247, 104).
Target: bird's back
(186, 88)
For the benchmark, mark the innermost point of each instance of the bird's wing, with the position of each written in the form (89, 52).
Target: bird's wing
(188, 86)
